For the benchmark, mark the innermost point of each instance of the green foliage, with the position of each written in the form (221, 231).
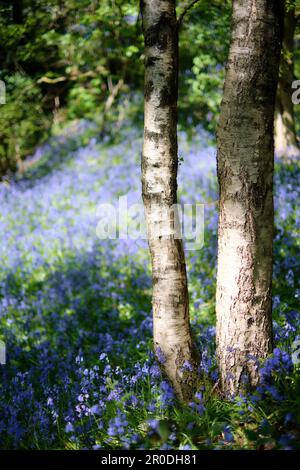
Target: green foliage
(84, 59)
(204, 42)
(22, 122)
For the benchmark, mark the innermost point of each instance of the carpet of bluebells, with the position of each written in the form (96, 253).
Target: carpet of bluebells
(75, 310)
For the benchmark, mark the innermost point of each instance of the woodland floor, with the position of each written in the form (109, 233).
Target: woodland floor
(75, 311)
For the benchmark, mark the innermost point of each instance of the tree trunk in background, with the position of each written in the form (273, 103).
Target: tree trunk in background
(172, 336)
(17, 11)
(245, 172)
(286, 144)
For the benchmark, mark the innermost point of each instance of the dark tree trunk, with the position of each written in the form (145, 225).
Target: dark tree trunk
(17, 11)
(286, 143)
(172, 336)
(245, 172)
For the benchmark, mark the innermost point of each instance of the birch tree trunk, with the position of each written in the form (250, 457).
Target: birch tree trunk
(245, 174)
(286, 144)
(172, 336)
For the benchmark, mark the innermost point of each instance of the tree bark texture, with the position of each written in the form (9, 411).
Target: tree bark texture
(245, 160)
(172, 336)
(286, 143)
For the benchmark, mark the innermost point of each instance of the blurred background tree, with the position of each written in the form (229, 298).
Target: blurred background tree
(286, 140)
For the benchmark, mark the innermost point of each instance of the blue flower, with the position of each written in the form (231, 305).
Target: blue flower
(160, 355)
(187, 366)
(69, 427)
(227, 433)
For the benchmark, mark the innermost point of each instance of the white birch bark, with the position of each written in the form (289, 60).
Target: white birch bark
(245, 172)
(172, 336)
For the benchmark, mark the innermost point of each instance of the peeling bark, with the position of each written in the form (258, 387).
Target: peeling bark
(286, 143)
(172, 336)
(245, 172)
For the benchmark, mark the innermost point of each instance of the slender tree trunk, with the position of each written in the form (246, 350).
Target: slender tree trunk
(245, 173)
(172, 336)
(286, 144)
(17, 11)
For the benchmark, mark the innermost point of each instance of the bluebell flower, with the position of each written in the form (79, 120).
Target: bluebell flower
(117, 425)
(289, 418)
(160, 355)
(69, 427)
(185, 447)
(187, 366)
(227, 433)
(153, 424)
(95, 409)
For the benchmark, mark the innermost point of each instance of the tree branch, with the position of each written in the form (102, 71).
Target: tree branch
(113, 90)
(51, 80)
(186, 9)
